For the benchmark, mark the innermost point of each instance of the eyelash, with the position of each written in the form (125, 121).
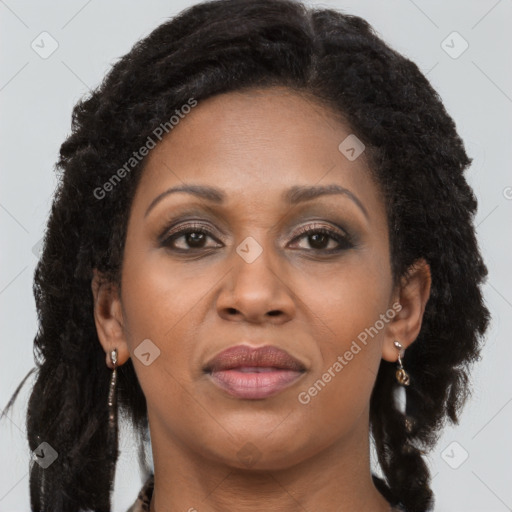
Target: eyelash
(344, 241)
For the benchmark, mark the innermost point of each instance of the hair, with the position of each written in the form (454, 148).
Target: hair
(417, 159)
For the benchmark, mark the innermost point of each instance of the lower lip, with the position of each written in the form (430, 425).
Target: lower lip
(253, 386)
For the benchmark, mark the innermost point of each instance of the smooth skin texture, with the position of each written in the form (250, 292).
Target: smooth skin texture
(194, 295)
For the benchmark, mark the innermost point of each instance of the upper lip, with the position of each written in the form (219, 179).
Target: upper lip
(267, 356)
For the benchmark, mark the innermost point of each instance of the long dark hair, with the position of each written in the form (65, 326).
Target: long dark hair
(416, 156)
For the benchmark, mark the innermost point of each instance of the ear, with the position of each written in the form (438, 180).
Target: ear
(109, 319)
(412, 295)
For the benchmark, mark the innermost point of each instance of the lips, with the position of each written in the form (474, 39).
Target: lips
(243, 356)
(248, 373)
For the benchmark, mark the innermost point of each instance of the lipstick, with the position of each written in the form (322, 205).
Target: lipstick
(254, 373)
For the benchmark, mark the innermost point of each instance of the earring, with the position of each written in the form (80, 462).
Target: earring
(403, 378)
(111, 393)
(112, 438)
(401, 375)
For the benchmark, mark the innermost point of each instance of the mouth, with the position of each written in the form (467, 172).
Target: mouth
(248, 373)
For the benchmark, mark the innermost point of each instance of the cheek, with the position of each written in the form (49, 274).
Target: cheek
(349, 337)
(157, 297)
(351, 311)
(158, 306)
(349, 298)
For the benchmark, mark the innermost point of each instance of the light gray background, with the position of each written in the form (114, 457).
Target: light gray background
(36, 98)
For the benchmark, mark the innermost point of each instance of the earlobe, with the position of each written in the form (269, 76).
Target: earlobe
(108, 318)
(412, 295)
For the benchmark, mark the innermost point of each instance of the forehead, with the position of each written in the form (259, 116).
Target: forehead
(254, 144)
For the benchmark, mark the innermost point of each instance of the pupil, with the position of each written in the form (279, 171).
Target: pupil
(318, 240)
(195, 239)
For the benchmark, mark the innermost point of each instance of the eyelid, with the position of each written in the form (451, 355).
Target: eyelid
(317, 224)
(193, 213)
(185, 224)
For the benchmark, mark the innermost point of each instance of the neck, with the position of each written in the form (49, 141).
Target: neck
(338, 478)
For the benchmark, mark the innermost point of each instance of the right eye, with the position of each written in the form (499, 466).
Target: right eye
(188, 238)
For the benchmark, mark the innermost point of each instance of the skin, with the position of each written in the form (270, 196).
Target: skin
(315, 456)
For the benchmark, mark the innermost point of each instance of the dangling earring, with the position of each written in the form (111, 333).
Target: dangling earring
(401, 375)
(112, 415)
(111, 393)
(404, 380)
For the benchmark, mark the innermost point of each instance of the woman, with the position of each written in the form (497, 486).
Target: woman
(262, 251)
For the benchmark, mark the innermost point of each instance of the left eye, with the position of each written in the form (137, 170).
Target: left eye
(319, 239)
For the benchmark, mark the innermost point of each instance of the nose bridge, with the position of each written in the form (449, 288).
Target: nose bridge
(254, 267)
(255, 288)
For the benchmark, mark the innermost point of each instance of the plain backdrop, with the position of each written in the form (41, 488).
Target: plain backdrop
(470, 69)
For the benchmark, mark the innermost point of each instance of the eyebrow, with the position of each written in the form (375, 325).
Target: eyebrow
(292, 196)
(298, 194)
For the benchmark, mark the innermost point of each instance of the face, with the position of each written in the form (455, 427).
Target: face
(285, 244)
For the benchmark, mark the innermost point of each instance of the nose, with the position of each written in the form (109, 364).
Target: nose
(256, 292)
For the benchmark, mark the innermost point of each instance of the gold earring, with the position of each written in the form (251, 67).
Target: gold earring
(403, 378)
(401, 375)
